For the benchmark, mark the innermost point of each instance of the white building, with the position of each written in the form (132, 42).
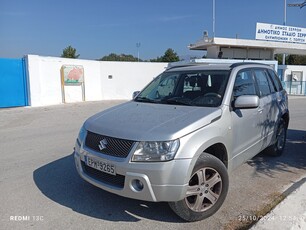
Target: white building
(294, 77)
(228, 48)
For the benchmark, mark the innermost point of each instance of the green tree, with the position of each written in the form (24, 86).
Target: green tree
(279, 58)
(69, 52)
(296, 60)
(169, 56)
(121, 57)
(291, 59)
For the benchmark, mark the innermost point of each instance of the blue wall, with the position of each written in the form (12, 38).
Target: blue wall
(13, 83)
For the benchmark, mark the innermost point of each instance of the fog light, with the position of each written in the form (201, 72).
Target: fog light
(137, 185)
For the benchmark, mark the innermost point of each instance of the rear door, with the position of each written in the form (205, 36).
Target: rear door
(268, 106)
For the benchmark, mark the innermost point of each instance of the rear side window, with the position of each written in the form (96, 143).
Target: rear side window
(263, 82)
(271, 84)
(244, 84)
(275, 80)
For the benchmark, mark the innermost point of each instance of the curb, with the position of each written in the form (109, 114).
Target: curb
(288, 214)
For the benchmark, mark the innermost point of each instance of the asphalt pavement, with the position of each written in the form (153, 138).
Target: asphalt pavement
(290, 213)
(40, 188)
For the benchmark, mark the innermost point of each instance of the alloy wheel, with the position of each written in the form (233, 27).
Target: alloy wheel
(205, 187)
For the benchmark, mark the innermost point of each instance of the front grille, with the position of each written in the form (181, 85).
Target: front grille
(113, 147)
(117, 181)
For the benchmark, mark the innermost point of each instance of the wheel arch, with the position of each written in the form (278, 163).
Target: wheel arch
(218, 150)
(285, 117)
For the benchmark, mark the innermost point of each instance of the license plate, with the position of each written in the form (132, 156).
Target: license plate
(100, 165)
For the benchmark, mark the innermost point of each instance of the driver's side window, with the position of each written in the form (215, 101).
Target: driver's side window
(244, 84)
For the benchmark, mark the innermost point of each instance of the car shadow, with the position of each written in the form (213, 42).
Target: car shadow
(293, 156)
(60, 182)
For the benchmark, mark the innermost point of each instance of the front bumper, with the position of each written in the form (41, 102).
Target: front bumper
(160, 181)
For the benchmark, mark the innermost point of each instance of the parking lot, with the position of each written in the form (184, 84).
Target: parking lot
(40, 188)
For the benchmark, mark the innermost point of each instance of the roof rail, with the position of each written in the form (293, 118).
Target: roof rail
(186, 65)
(246, 63)
(196, 62)
(229, 62)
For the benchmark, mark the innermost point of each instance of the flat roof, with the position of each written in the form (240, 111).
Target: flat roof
(277, 47)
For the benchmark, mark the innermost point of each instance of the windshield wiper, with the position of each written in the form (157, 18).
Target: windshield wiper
(178, 101)
(144, 99)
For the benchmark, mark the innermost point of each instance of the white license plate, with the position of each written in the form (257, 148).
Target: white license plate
(100, 165)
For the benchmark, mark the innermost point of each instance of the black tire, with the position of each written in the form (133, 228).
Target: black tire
(278, 147)
(205, 195)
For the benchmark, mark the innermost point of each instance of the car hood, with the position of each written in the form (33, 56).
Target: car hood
(151, 122)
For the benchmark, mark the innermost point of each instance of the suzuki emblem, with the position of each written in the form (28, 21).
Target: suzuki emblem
(102, 144)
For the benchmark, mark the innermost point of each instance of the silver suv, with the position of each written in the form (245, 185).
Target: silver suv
(178, 139)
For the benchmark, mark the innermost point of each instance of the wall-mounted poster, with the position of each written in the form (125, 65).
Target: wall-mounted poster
(73, 74)
(72, 81)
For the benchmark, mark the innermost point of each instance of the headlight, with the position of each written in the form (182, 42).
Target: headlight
(156, 150)
(82, 135)
(80, 139)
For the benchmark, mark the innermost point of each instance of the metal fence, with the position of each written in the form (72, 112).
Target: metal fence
(295, 87)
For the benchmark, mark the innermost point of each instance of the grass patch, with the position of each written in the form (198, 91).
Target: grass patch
(275, 198)
(246, 221)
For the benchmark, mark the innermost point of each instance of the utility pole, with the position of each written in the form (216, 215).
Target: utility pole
(214, 17)
(138, 44)
(285, 22)
(301, 5)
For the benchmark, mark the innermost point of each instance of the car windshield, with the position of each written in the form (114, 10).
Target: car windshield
(192, 88)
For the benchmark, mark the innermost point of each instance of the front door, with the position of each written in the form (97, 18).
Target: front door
(246, 123)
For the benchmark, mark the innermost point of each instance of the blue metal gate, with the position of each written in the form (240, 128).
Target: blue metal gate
(13, 83)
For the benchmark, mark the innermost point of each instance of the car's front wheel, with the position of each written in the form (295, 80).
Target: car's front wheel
(206, 192)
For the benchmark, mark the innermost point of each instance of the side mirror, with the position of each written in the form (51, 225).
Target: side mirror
(246, 102)
(135, 94)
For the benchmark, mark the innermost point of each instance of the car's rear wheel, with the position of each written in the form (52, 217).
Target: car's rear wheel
(278, 147)
(206, 192)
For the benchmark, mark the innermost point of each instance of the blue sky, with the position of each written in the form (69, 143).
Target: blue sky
(99, 27)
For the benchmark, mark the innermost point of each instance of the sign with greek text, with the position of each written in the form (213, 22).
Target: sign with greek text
(279, 33)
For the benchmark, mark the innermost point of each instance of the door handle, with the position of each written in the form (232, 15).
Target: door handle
(260, 110)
